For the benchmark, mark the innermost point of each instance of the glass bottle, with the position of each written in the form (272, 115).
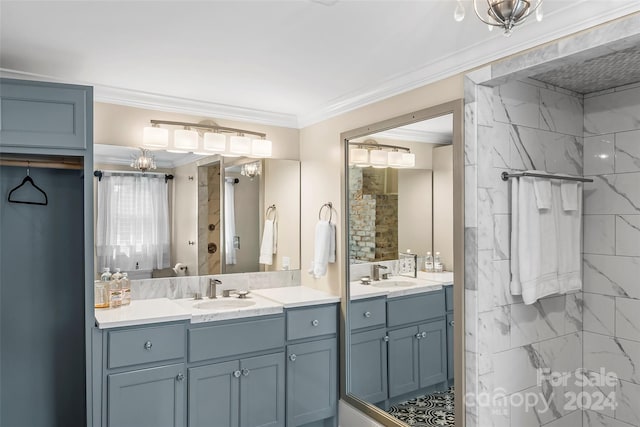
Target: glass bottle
(126, 289)
(428, 264)
(106, 275)
(115, 289)
(101, 294)
(437, 263)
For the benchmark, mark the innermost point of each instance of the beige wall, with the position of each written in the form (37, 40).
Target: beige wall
(443, 204)
(415, 221)
(184, 211)
(248, 224)
(320, 153)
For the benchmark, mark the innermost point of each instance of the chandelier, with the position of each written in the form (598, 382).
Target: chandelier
(502, 13)
(144, 162)
(251, 170)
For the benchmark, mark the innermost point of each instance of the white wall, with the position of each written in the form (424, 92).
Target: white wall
(185, 211)
(443, 204)
(415, 208)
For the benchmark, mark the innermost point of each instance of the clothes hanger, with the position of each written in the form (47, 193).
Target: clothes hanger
(30, 181)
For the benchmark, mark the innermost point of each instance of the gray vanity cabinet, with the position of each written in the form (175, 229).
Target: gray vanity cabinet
(403, 361)
(214, 394)
(369, 365)
(432, 349)
(449, 300)
(262, 389)
(151, 397)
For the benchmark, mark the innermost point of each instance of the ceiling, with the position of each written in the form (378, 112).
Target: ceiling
(438, 130)
(288, 63)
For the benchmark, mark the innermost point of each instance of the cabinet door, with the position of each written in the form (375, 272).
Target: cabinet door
(433, 357)
(403, 361)
(147, 397)
(368, 365)
(312, 372)
(262, 391)
(450, 346)
(214, 395)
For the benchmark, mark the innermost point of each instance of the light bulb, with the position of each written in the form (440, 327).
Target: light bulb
(490, 27)
(458, 14)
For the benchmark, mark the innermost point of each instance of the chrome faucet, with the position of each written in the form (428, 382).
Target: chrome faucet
(376, 271)
(213, 284)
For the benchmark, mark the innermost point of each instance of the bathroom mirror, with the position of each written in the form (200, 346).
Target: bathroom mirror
(195, 202)
(395, 214)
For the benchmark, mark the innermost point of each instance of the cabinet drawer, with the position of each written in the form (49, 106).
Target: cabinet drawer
(415, 308)
(367, 313)
(145, 345)
(228, 339)
(448, 294)
(311, 322)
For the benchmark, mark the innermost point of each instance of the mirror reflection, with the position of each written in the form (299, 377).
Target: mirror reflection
(401, 257)
(195, 215)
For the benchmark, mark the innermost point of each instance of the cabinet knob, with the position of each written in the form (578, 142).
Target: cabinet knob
(385, 339)
(367, 314)
(237, 374)
(452, 323)
(180, 376)
(245, 372)
(293, 357)
(423, 335)
(148, 345)
(418, 336)
(315, 322)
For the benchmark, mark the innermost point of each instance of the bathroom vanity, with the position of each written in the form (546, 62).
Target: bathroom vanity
(168, 362)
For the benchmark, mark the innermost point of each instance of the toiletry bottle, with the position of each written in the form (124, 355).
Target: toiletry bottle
(115, 289)
(428, 264)
(101, 294)
(126, 289)
(106, 275)
(437, 264)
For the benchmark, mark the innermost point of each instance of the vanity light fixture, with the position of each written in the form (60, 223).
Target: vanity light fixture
(379, 158)
(395, 159)
(359, 157)
(184, 141)
(502, 13)
(370, 153)
(251, 170)
(144, 162)
(155, 137)
(214, 142)
(261, 148)
(240, 145)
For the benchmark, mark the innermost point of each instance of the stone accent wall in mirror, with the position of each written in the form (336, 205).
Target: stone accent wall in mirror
(196, 198)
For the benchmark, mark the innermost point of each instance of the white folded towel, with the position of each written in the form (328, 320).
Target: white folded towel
(332, 243)
(542, 189)
(268, 245)
(570, 196)
(515, 285)
(321, 249)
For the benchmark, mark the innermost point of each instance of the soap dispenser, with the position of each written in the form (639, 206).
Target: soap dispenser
(126, 289)
(115, 289)
(428, 264)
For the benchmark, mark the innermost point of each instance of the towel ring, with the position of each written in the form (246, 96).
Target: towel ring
(326, 205)
(271, 209)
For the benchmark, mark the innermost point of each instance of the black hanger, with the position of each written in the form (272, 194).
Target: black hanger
(30, 181)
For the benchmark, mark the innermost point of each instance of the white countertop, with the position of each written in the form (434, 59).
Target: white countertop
(141, 312)
(261, 307)
(425, 282)
(297, 296)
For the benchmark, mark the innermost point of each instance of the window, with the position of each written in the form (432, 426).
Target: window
(133, 222)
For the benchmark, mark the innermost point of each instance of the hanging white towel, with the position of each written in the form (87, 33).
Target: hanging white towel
(332, 243)
(229, 223)
(537, 247)
(542, 189)
(515, 285)
(268, 245)
(321, 249)
(570, 195)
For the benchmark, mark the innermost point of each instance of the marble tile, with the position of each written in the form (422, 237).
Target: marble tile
(599, 313)
(627, 397)
(502, 225)
(561, 113)
(596, 384)
(471, 321)
(627, 151)
(574, 419)
(494, 328)
(485, 280)
(537, 322)
(501, 283)
(494, 411)
(517, 103)
(500, 154)
(628, 321)
(544, 150)
(612, 275)
(612, 112)
(573, 312)
(599, 234)
(527, 414)
(628, 235)
(613, 194)
(525, 61)
(486, 227)
(615, 355)
(599, 155)
(595, 419)
(485, 104)
(518, 368)
(470, 258)
(470, 134)
(470, 196)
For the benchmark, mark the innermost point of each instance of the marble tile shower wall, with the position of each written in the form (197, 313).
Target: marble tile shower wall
(518, 125)
(612, 249)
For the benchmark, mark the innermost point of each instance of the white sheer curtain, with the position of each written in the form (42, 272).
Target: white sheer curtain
(229, 222)
(133, 222)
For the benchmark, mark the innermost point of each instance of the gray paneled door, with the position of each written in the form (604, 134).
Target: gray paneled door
(214, 395)
(433, 352)
(153, 397)
(450, 346)
(369, 365)
(403, 361)
(262, 391)
(311, 381)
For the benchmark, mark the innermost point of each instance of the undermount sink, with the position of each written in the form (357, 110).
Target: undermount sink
(392, 284)
(224, 304)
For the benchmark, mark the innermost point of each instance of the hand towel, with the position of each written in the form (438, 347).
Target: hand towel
(321, 249)
(542, 189)
(569, 194)
(332, 243)
(515, 285)
(537, 246)
(267, 245)
(569, 235)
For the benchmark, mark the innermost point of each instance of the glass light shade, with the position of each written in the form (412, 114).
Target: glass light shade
(155, 137)
(379, 158)
(395, 159)
(215, 142)
(359, 156)
(408, 160)
(261, 148)
(240, 145)
(184, 141)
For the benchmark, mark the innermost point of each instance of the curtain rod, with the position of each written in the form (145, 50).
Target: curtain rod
(41, 164)
(506, 175)
(100, 173)
(211, 127)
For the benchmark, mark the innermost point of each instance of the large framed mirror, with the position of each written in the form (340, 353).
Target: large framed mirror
(206, 215)
(402, 303)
